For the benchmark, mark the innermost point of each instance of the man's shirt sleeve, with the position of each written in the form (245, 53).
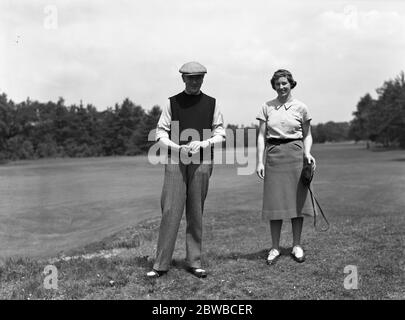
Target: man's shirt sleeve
(218, 123)
(163, 126)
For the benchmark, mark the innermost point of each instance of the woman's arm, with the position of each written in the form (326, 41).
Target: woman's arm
(260, 149)
(307, 140)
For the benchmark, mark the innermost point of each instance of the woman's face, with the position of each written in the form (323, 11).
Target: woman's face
(282, 86)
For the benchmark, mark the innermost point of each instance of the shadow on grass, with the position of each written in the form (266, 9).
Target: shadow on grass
(176, 265)
(399, 159)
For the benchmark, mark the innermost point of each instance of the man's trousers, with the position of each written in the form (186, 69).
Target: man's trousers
(184, 186)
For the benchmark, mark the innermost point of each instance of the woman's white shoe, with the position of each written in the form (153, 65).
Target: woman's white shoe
(274, 254)
(298, 254)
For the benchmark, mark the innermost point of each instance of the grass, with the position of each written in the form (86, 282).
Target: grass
(359, 190)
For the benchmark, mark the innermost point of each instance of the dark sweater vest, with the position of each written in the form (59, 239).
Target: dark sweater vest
(192, 112)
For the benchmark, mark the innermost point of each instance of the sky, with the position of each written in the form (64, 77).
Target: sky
(101, 52)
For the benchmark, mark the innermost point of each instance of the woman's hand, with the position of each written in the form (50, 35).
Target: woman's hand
(307, 140)
(310, 159)
(260, 170)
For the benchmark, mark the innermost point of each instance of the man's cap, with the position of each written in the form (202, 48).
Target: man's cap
(192, 68)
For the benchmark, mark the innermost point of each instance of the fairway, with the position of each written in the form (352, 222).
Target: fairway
(69, 205)
(52, 205)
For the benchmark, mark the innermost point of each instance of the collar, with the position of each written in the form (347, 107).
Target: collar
(287, 105)
(189, 94)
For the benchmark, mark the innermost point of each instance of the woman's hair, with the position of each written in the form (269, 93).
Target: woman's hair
(283, 73)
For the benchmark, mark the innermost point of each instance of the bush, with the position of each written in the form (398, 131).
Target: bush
(3, 157)
(27, 150)
(47, 149)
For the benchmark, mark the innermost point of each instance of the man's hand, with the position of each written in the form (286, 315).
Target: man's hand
(196, 145)
(185, 149)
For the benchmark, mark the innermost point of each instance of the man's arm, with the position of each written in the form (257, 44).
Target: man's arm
(163, 128)
(218, 130)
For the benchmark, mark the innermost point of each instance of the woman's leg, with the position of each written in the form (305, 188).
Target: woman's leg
(296, 224)
(275, 229)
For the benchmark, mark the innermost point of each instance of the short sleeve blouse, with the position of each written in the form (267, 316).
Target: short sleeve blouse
(284, 121)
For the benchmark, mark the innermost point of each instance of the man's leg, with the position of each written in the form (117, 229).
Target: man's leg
(198, 176)
(173, 200)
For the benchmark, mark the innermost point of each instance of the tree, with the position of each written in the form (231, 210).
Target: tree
(382, 120)
(359, 129)
(391, 111)
(139, 142)
(5, 122)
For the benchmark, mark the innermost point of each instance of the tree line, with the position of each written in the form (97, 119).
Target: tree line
(31, 129)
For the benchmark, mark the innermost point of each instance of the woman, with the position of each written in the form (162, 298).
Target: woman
(283, 148)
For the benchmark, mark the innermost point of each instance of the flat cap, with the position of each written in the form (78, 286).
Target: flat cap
(191, 68)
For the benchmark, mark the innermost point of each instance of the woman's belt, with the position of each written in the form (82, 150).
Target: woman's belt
(280, 141)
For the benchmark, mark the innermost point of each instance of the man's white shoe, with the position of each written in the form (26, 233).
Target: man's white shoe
(155, 274)
(274, 254)
(198, 272)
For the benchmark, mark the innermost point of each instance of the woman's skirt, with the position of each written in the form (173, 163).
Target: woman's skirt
(284, 195)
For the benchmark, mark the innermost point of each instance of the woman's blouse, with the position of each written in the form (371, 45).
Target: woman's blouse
(284, 120)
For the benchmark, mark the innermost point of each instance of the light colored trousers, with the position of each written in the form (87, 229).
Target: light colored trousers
(184, 186)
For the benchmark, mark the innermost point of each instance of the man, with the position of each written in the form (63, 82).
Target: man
(189, 168)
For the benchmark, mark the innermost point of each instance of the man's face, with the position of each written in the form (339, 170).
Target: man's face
(193, 83)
